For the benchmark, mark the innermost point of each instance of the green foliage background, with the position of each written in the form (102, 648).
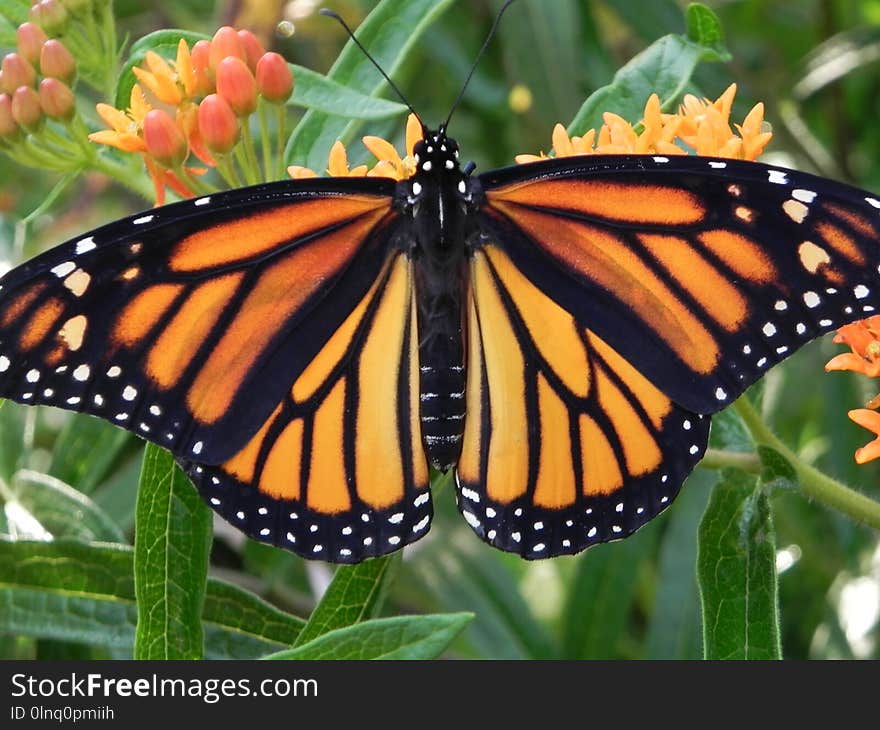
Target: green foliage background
(98, 590)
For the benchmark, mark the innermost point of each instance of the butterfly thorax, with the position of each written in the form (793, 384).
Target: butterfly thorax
(437, 201)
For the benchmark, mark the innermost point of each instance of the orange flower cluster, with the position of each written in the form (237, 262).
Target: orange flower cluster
(701, 126)
(194, 106)
(390, 163)
(863, 339)
(36, 84)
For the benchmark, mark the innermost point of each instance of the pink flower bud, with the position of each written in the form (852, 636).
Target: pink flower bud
(165, 142)
(236, 84)
(26, 109)
(218, 124)
(57, 99)
(17, 72)
(200, 55)
(30, 40)
(56, 61)
(8, 125)
(225, 43)
(252, 47)
(274, 78)
(50, 15)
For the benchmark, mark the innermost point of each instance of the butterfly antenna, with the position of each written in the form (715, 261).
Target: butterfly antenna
(338, 18)
(482, 50)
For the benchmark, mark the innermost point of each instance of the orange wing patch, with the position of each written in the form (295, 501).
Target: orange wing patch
(644, 204)
(234, 242)
(277, 295)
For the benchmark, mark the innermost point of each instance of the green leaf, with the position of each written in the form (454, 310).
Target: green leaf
(674, 628)
(461, 574)
(602, 595)
(15, 11)
(704, 28)
(61, 510)
(8, 36)
(390, 33)
(400, 637)
(315, 91)
(86, 450)
(736, 568)
(70, 591)
(664, 68)
(163, 42)
(355, 594)
(172, 546)
(777, 471)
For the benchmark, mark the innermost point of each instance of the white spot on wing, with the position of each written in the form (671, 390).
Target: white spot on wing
(143, 219)
(805, 196)
(811, 299)
(85, 245)
(64, 269)
(777, 176)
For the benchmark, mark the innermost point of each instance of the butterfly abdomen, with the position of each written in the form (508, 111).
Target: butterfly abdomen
(441, 364)
(442, 411)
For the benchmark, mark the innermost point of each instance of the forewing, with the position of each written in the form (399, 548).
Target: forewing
(187, 324)
(702, 273)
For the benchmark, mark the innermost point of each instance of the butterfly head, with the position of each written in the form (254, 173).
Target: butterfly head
(436, 153)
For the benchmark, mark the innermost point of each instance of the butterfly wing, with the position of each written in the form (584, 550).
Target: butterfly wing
(618, 301)
(337, 471)
(264, 336)
(186, 323)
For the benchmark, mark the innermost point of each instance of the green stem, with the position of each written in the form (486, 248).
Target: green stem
(226, 168)
(250, 165)
(281, 134)
(193, 182)
(136, 181)
(718, 459)
(813, 482)
(265, 142)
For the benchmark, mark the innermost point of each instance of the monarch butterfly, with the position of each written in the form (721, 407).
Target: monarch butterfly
(558, 333)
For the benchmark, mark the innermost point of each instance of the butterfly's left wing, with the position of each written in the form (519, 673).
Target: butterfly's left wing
(265, 336)
(618, 301)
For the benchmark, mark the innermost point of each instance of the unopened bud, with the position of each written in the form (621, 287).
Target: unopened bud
(56, 61)
(218, 124)
(30, 38)
(164, 140)
(56, 99)
(274, 78)
(8, 125)
(237, 85)
(200, 55)
(50, 15)
(77, 7)
(253, 49)
(16, 72)
(224, 44)
(26, 109)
